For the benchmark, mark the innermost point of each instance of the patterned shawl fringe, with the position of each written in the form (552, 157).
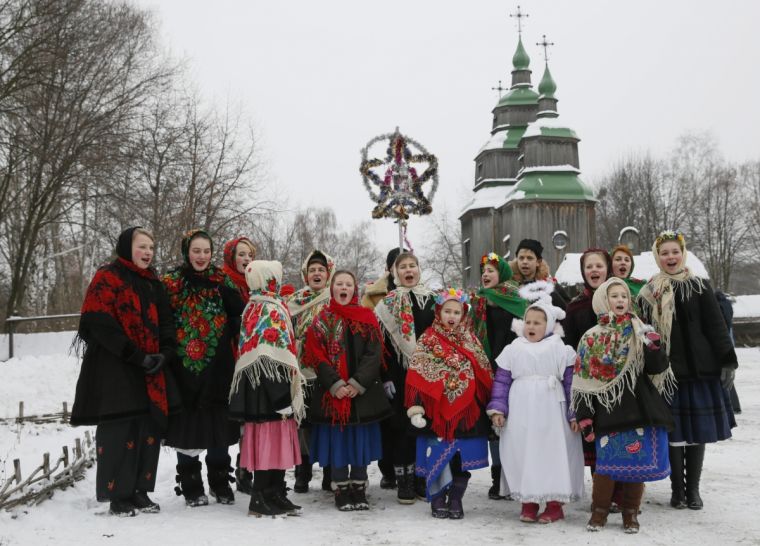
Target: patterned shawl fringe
(274, 370)
(443, 427)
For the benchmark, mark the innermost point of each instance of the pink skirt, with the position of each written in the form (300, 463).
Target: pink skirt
(270, 446)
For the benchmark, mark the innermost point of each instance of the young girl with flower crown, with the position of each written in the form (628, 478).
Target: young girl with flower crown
(267, 392)
(619, 378)
(344, 347)
(447, 386)
(542, 454)
(494, 306)
(684, 311)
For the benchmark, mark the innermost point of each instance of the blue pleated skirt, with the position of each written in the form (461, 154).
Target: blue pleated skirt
(434, 455)
(355, 445)
(702, 412)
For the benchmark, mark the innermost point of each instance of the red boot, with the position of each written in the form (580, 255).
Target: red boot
(552, 513)
(529, 512)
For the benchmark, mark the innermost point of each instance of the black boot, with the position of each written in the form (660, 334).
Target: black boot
(493, 491)
(388, 481)
(219, 480)
(142, 502)
(243, 479)
(326, 479)
(695, 457)
(343, 500)
(261, 505)
(359, 495)
(122, 508)
(405, 484)
(303, 475)
(677, 482)
(456, 493)
(280, 499)
(191, 484)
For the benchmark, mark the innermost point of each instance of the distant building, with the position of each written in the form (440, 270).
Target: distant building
(527, 182)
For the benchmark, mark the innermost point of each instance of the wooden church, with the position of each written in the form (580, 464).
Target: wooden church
(527, 178)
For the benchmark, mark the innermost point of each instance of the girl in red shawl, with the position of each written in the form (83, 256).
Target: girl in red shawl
(344, 348)
(447, 387)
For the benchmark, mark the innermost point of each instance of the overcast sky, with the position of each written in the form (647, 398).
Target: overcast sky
(320, 79)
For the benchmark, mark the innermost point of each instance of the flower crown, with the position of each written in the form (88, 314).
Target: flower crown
(456, 294)
(670, 235)
(490, 258)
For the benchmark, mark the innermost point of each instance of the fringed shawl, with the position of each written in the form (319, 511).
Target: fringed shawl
(267, 344)
(394, 313)
(451, 375)
(611, 356)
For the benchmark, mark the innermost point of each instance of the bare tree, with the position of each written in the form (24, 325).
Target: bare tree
(443, 251)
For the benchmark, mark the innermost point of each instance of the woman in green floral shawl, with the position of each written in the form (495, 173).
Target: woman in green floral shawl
(207, 309)
(496, 303)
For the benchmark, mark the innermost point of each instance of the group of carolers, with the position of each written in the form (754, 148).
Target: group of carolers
(424, 382)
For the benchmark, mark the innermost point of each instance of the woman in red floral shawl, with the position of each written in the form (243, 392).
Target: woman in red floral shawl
(447, 387)
(124, 388)
(207, 309)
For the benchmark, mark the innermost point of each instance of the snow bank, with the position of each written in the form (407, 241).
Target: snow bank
(43, 382)
(46, 343)
(644, 267)
(746, 306)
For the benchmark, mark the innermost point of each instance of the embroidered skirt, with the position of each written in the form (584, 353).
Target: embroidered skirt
(702, 412)
(433, 457)
(639, 455)
(355, 445)
(272, 445)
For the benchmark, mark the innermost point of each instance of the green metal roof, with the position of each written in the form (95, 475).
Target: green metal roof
(553, 186)
(520, 60)
(547, 87)
(519, 96)
(513, 137)
(557, 132)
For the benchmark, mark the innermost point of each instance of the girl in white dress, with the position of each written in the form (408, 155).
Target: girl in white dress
(540, 448)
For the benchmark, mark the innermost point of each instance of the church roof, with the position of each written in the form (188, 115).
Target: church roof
(519, 96)
(547, 86)
(520, 60)
(553, 184)
(504, 139)
(549, 127)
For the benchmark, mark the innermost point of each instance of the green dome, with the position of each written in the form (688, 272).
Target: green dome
(547, 87)
(519, 96)
(553, 186)
(520, 60)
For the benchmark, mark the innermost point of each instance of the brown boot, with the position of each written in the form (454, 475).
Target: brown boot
(601, 498)
(632, 493)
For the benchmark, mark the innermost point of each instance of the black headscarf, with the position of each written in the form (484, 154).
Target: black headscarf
(124, 243)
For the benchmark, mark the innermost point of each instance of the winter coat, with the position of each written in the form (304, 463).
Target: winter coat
(112, 383)
(502, 384)
(364, 362)
(643, 407)
(580, 317)
(394, 370)
(559, 296)
(499, 330)
(700, 346)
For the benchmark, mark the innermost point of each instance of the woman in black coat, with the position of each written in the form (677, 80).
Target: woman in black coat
(124, 387)
(207, 309)
(684, 311)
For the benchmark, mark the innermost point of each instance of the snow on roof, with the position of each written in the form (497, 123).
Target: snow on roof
(644, 267)
(534, 129)
(495, 142)
(513, 195)
(549, 168)
(746, 306)
(487, 198)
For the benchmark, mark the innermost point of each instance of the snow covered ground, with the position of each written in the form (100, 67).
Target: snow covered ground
(730, 479)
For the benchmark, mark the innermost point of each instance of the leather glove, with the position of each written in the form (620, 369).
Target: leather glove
(727, 378)
(390, 389)
(153, 363)
(418, 420)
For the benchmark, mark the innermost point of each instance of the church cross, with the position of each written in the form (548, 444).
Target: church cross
(519, 16)
(499, 88)
(543, 43)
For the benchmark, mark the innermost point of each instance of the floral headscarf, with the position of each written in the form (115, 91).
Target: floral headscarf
(610, 355)
(230, 268)
(267, 344)
(450, 374)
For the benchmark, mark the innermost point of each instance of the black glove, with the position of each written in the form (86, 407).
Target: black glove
(727, 378)
(153, 363)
